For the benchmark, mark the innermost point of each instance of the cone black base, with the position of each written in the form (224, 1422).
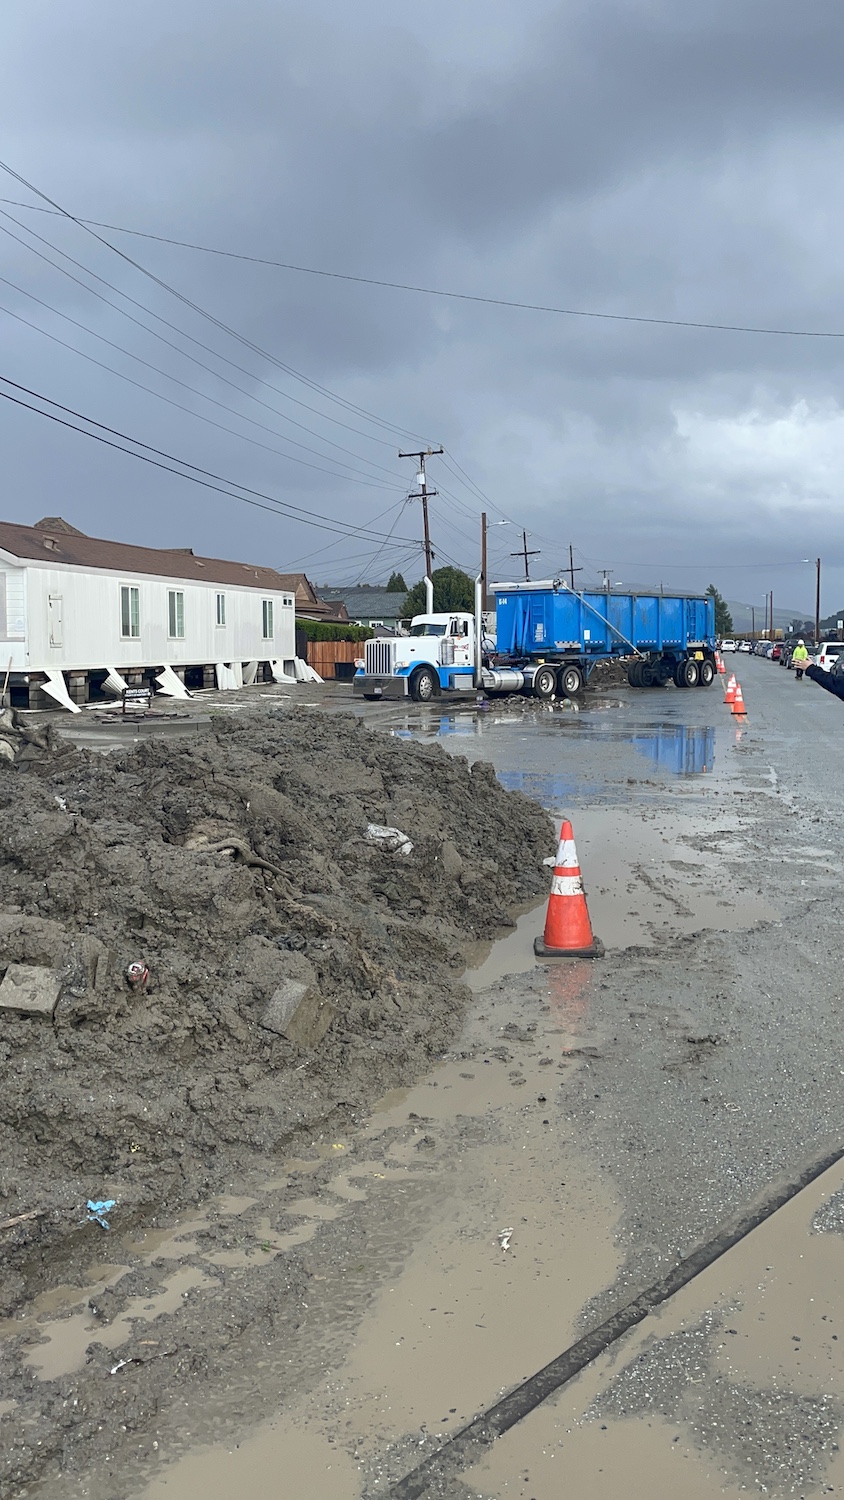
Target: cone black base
(597, 950)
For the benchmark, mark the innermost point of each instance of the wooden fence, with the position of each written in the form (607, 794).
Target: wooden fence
(335, 658)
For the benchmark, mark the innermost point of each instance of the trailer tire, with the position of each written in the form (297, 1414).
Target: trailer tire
(424, 685)
(634, 674)
(544, 683)
(650, 675)
(571, 681)
(687, 673)
(707, 674)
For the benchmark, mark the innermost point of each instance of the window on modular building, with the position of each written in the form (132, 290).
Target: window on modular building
(176, 611)
(268, 619)
(130, 611)
(221, 609)
(288, 603)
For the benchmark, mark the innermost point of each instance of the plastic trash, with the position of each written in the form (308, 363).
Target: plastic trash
(504, 1237)
(97, 1211)
(137, 976)
(391, 840)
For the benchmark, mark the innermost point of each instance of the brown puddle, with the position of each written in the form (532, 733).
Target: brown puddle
(68, 1338)
(644, 881)
(736, 1384)
(463, 1317)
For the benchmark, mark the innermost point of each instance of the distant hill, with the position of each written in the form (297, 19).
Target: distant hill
(743, 617)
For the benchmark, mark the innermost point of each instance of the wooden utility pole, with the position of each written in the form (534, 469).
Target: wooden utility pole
(526, 555)
(818, 602)
(422, 494)
(483, 559)
(572, 568)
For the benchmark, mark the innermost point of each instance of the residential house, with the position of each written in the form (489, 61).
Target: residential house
(74, 608)
(376, 608)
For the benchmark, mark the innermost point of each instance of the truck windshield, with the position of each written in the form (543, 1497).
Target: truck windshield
(425, 628)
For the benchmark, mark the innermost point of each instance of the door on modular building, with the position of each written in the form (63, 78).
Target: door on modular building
(55, 619)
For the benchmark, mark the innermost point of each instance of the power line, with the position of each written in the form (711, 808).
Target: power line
(159, 395)
(55, 208)
(198, 342)
(368, 479)
(426, 291)
(276, 506)
(195, 307)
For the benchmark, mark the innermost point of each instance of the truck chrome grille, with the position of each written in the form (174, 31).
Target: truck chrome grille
(380, 658)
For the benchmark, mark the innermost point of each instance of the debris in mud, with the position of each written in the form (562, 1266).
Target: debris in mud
(97, 1210)
(391, 840)
(234, 870)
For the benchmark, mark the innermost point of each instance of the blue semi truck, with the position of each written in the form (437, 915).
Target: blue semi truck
(548, 640)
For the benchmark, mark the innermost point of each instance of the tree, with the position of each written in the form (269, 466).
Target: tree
(397, 584)
(453, 589)
(723, 618)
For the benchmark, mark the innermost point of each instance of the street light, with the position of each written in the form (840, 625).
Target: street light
(817, 595)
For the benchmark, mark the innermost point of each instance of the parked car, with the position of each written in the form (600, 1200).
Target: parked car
(744, 646)
(776, 651)
(828, 653)
(728, 646)
(786, 653)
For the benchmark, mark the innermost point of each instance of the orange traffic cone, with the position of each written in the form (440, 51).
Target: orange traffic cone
(568, 931)
(719, 662)
(738, 702)
(730, 690)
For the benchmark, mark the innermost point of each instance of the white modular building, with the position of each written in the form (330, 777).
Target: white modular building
(75, 608)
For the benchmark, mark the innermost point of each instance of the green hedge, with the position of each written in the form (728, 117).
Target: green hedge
(319, 630)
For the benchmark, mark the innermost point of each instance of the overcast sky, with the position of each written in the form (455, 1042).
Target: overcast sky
(643, 157)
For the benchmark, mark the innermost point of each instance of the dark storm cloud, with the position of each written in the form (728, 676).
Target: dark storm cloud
(642, 157)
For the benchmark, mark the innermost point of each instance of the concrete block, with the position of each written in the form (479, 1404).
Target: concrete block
(29, 990)
(298, 1012)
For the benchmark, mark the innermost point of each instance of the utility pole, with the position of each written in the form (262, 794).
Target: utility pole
(526, 555)
(818, 602)
(572, 568)
(423, 494)
(608, 572)
(753, 618)
(772, 614)
(483, 559)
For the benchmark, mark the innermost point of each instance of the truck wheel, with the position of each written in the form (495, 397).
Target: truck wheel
(707, 674)
(424, 685)
(545, 683)
(686, 673)
(572, 681)
(634, 674)
(649, 674)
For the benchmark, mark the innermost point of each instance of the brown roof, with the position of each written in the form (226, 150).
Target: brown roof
(54, 540)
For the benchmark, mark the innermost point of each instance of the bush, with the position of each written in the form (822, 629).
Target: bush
(320, 630)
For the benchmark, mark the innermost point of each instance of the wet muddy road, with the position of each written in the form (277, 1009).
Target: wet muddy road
(593, 1124)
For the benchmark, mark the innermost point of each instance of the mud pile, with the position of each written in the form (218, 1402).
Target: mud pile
(229, 865)
(609, 674)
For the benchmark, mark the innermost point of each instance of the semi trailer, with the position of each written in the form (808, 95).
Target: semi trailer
(548, 640)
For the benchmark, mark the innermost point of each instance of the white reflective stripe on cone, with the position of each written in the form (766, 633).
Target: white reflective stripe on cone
(567, 855)
(567, 885)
